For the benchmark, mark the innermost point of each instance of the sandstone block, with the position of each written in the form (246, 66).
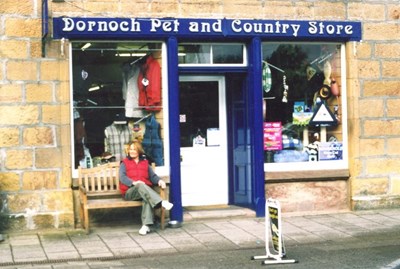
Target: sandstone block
(364, 50)
(36, 49)
(39, 92)
(22, 27)
(382, 31)
(29, 203)
(390, 69)
(164, 7)
(59, 201)
(310, 196)
(102, 7)
(370, 186)
(10, 7)
(324, 10)
(381, 88)
(387, 50)
(9, 137)
(19, 159)
(53, 220)
(369, 69)
(394, 12)
(395, 186)
(365, 11)
(393, 146)
(18, 115)
(372, 147)
(53, 114)
(393, 107)
(381, 127)
(9, 181)
(63, 92)
(38, 136)
(13, 49)
(21, 70)
(382, 166)
(39, 180)
(371, 107)
(10, 93)
(48, 158)
(49, 70)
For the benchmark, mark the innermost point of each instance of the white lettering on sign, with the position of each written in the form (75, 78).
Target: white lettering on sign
(265, 28)
(322, 28)
(166, 26)
(101, 26)
(225, 27)
(205, 27)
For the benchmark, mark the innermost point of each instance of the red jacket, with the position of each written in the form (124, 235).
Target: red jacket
(149, 84)
(135, 172)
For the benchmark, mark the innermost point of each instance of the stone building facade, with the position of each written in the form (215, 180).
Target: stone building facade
(35, 138)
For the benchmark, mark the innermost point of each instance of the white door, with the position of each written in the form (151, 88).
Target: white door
(204, 171)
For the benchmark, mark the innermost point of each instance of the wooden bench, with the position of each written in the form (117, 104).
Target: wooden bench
(99, 189)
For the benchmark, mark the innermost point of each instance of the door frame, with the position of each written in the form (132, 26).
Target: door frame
(254, 71)
(223, 125)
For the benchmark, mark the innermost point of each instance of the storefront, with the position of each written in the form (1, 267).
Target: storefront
(217, 103)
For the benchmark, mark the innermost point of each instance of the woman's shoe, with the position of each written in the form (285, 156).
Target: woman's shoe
(144, 230)
(167, 205)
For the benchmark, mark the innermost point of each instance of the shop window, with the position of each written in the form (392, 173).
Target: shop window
(304, 106)
(117, 94)
(211, 54)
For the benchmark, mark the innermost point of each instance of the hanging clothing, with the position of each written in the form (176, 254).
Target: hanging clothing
(117, 136)
(130, 91)
(149, 84)
(80, 138)
(152, 143)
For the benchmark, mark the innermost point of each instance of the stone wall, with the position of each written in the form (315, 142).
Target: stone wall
(374, 114)
(35, 176)
(35, 163)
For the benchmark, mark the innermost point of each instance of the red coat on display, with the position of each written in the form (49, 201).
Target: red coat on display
(149, 83)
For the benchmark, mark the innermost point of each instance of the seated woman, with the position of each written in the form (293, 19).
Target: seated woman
(136, 180)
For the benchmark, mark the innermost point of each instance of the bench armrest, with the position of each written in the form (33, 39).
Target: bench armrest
(82, 189)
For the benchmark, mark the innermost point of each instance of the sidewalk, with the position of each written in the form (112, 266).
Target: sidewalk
(229, 232)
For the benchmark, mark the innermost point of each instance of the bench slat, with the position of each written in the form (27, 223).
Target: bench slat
(112, 203)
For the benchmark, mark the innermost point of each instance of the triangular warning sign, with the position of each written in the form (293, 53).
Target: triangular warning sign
(323, 116)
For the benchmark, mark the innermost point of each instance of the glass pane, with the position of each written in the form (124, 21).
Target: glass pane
(227, 54)
(302, 102)
(194, 54)
(199, 109)
(109, 106)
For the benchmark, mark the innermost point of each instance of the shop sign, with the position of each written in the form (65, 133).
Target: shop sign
(83, 28)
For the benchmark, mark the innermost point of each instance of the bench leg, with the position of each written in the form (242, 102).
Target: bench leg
(162, 218)
(86, 219)
(162, 215)
(81, 216)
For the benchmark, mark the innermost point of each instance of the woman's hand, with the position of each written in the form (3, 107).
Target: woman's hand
(162, 184)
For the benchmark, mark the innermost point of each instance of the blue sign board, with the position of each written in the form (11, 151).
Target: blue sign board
(123, 28)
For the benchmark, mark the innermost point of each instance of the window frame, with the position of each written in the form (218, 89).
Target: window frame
(244, 52)
(160, 170)
(307, 170)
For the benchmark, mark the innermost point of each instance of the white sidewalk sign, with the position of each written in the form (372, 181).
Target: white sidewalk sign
(273, 229)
